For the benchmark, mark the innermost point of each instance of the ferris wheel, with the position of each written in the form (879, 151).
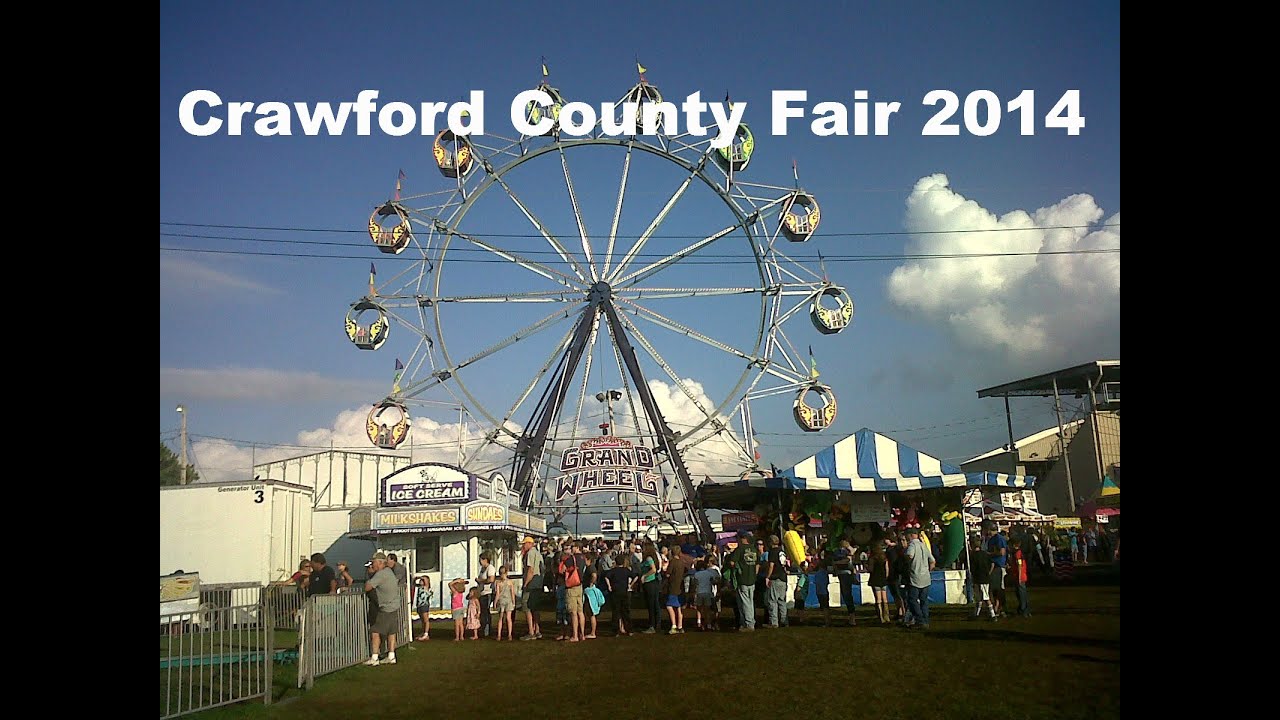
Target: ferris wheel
(594, 299)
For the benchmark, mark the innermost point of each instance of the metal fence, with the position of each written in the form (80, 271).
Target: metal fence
(334, 634)
(226, 651)
(213, 657)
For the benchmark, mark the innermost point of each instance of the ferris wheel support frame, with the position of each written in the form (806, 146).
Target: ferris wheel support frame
(533, 440)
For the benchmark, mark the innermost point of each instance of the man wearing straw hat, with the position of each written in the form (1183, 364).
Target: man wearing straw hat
(532, 588)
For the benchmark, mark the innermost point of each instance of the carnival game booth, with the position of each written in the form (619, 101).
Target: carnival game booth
(857, 489)
(439, 519)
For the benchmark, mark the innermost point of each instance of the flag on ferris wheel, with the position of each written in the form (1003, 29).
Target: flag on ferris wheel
(813, 365)
(395, 384)
(373, 273)
(545, 71)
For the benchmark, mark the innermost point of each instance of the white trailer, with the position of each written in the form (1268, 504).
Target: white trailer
(243, 531)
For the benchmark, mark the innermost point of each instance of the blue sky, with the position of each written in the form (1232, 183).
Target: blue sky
(252, 343)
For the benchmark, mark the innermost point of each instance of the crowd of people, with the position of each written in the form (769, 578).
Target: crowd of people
(588, 586)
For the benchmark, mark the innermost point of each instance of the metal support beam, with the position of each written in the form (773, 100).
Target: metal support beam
(666, 438)
(534, 438)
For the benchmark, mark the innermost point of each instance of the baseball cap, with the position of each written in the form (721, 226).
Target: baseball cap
(379, 556)
(527, 539)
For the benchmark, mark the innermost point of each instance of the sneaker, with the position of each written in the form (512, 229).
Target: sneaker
(372, 662)
(648, 631)
(680, 630)
(747, 629)
(673, 631)
(391, 660)
(537, 636)
(528, 637)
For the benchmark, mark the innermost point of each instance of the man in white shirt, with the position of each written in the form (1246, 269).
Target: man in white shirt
(921, 563)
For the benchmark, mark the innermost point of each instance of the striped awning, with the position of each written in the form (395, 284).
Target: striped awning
(867, 461)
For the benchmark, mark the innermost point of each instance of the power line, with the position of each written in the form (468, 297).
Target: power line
(883, 233)
(708, 261)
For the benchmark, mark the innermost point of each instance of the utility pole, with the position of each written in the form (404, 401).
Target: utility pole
(182, 469)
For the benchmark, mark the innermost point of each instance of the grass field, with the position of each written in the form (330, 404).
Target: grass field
(1062, 663)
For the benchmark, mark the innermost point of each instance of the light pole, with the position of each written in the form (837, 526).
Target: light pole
(607, 397)
(182, 469)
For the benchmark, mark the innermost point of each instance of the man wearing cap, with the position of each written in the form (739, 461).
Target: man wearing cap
(533, 568)
(920, 564)
(776, 572)
(382, 581)
(744, 563)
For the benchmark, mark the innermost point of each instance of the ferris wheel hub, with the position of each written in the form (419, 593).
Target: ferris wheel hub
(599, 293)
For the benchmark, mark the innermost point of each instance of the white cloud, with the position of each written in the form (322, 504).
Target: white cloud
(194, 276)
(1032, 307)
(434, 441)
(262, 384)
(428, 441)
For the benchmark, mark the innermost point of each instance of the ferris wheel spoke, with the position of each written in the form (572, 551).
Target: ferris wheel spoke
(577, 215)
(542, 230)
(652, 293)
(666, 367)
(655, 224)
(617, 210)
(586, 374)
(537, 378)
(531, 265)
(653, 268)
(521, 334)
(540, 296)
(670, 324)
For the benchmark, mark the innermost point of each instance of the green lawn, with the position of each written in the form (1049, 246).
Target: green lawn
(1062, 663)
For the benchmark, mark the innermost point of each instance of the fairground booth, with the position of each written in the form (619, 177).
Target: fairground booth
(859, 489)
(439, 519)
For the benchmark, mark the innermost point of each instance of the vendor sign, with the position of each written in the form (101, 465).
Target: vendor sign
(740, 521)
(607, 464)
(427, 484)
(1067, 522)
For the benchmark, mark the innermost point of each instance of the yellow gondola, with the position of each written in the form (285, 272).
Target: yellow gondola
(830, 321)
(814, 419)
(371, 336)
(390, 240)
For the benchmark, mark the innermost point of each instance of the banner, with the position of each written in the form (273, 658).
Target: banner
(607, 464)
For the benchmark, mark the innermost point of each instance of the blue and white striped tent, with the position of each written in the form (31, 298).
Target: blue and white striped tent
(867, 461)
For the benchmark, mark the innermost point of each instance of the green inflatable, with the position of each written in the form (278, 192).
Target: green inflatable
(952, 538)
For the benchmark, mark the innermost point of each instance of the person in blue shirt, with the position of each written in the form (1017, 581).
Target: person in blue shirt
(997, 550)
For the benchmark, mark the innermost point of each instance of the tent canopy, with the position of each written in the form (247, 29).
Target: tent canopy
(865, 461)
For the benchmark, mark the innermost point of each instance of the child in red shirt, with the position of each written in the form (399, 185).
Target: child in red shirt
(1018, 573)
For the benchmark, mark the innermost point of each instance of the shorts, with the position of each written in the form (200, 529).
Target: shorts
(505, 606)
(673, 601)
(586, 607)
(459, 613)
(706, 600)
(527, 600)
(387, 623)
(984, 592)
(573, 599)
(997, 578)
(879, 588)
